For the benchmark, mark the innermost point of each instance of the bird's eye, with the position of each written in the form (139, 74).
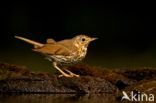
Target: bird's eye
(83, 39)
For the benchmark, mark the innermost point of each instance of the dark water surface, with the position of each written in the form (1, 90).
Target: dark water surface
(57, 98)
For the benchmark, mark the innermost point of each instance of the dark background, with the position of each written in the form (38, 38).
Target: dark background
(126, 31)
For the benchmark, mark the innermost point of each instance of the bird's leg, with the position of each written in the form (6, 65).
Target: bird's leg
(71, 73)
(62, 72)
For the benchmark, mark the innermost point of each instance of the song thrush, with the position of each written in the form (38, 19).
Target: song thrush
(66, 51)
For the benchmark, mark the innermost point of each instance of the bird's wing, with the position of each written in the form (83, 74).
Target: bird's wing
(53, 49)
(51, 41)
(68, 43)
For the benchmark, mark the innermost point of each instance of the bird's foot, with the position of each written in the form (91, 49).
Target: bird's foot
(68, 76)
(63, 73)
(71, 74)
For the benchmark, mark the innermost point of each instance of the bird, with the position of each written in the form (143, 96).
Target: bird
(63, 52)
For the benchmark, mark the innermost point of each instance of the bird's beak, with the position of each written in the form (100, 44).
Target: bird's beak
(92, 39)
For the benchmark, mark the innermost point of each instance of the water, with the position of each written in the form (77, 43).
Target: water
(57, 98)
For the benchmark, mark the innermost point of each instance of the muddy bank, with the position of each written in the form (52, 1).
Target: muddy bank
(17, 79)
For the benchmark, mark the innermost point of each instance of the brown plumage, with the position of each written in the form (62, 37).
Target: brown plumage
(67, 51)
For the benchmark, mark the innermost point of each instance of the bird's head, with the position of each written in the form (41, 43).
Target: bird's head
(83, 40)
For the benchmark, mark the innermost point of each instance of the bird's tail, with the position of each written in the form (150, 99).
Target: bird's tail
(36, 44)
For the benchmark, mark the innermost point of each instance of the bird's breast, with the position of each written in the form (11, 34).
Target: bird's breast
(74, 57)
(81, 53)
